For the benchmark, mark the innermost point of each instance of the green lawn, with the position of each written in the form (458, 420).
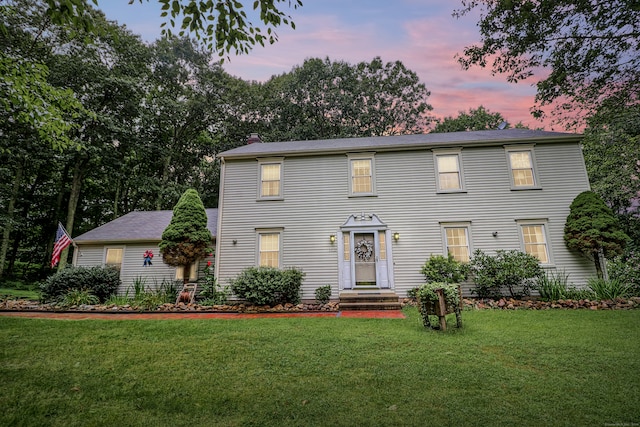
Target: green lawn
(12, 293)
(510, 368)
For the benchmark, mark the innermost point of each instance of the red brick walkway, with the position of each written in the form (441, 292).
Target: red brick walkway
(363, 314)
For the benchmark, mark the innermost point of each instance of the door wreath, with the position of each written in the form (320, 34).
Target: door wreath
(364, 249)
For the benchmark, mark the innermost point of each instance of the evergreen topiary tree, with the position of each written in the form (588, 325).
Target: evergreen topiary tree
(593, 229)
(187, 238)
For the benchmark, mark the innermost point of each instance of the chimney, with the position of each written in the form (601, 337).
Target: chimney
(253, 138)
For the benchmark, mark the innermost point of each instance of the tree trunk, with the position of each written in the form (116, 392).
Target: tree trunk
(163, 181)
(6, 234)
(598, 263)
(79, 171)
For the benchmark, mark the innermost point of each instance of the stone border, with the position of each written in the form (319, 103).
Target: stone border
(333, 306)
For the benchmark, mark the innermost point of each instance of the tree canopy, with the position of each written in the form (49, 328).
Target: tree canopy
(582, 51)
(323, 99)
(592, 229)
(222, 25)
(476, 119)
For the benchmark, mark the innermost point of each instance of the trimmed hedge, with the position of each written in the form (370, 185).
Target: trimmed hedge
(268, 285)
(101, 282)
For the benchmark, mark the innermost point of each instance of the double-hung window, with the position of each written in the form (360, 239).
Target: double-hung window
(361, 174)
(449, 177)
(269, 248)
(113, 258)
(456, 240)
(270, 184)
(522, 169)
(533, 236)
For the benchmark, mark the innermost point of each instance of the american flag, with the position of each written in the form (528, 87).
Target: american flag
(62, 241)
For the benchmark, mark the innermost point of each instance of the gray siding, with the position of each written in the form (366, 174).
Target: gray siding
(316, 203)
(132, 264)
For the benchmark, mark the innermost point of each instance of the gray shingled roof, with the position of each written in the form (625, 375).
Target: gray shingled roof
(386, 143)
(139, 226)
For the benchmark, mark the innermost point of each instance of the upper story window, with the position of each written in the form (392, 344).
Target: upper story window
(456, 239)
(269, 248)
(362, 178)
(534, 239)
(113, 258)
(270, 185)
(522, 167)
(449, 177)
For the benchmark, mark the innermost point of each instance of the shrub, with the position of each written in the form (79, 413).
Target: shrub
(427, 297)
(553, 286)
(102, 282)
(513, 270)
(592, 229)
(187, 238)
(444, 269)
(148, 301)
(626, 269)
(323, 294)
(578, 294)
(268, 285)
(79, 297)
(608, 289)
(212, 292)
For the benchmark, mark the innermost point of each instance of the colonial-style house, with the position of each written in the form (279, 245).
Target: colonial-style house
(130, 244)
(366, 213)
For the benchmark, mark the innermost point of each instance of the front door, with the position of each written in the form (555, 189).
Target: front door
(364, 253)
(364, 259)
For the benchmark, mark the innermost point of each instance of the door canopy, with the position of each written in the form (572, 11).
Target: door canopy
(363, 221)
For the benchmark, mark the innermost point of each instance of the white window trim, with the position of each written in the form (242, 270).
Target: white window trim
(449, 152)
(522, 148)
(261, 231)
(106, 249)
(271, 161)
(545, 232)
(461, 224)
(362, 156)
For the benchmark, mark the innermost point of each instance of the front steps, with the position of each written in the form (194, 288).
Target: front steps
(378, 299)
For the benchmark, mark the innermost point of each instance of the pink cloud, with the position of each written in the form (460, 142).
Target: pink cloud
(425, 45)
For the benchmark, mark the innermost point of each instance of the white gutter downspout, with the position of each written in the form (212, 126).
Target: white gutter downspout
(216, 270)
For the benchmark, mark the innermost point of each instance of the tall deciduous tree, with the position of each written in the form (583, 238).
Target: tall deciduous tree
(334, 99)
(187, 238)
(478, 119)
(593, 230)
(611, 149)
(583, 51)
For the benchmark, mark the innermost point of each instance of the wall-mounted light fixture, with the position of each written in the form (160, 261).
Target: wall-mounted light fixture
(332, 238)
(494, 234)
(396, 236)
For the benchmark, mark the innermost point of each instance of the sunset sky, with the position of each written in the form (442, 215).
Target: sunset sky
(421, 33)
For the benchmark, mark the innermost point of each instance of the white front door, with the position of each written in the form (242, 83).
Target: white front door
(364, 260)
